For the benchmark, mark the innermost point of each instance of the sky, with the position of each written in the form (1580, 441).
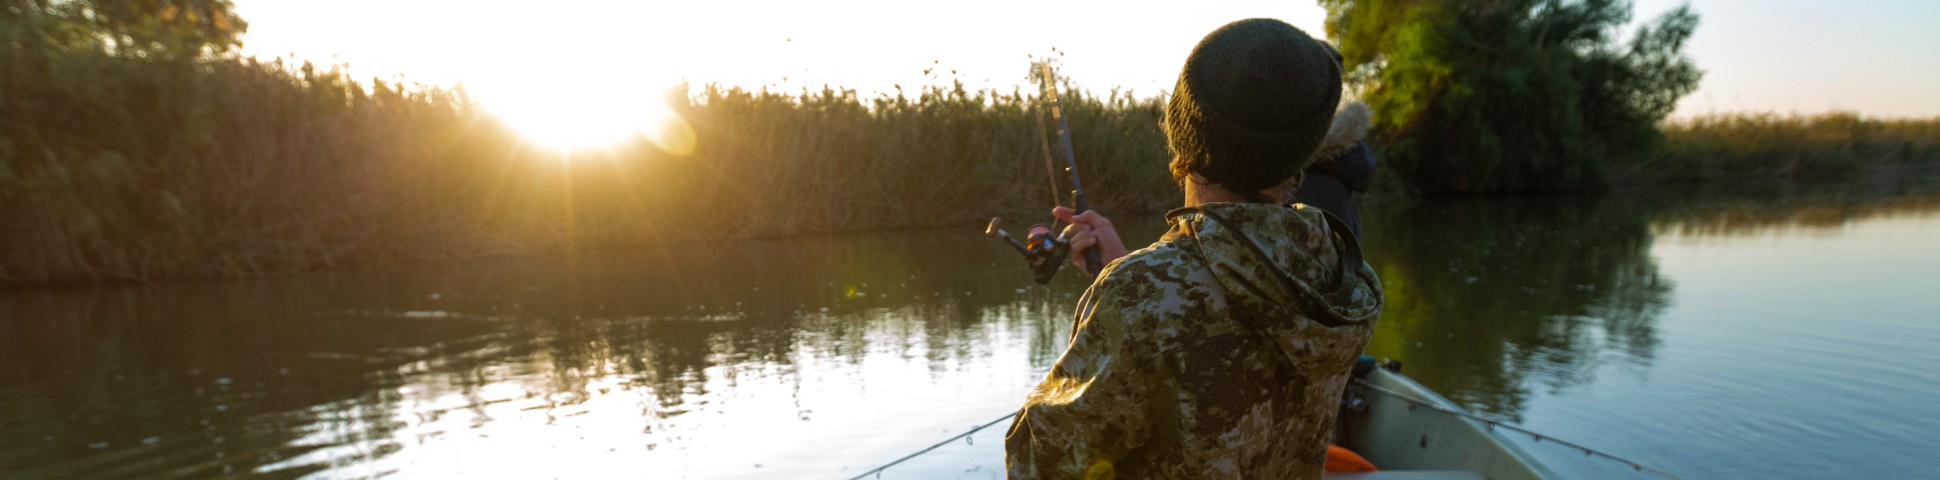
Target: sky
(561, 58)
(1875, 57)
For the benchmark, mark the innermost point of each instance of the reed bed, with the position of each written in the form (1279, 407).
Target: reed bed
(116, 167)
(1807, 147)
(120, 169)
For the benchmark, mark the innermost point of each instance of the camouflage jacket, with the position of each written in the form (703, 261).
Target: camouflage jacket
(1218, 352)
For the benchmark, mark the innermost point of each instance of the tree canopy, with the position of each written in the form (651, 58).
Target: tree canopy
(1512, 95)
(160, 29)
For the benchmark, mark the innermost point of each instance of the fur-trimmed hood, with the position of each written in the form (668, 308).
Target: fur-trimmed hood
(1343, 154)
(1351, 123)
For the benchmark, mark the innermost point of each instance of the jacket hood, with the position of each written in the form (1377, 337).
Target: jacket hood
(1343, 154)
(1275, 260)
(1352, 120)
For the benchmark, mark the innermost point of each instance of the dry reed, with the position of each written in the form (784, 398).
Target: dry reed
(236, 168)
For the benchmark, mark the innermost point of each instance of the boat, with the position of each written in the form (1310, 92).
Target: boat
(1412, 433)
(1408, 431)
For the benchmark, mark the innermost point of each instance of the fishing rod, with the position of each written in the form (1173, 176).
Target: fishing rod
(1043, 247)
(1078, 204)
(878, 470)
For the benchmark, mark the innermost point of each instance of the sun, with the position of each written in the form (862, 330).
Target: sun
(575, 112)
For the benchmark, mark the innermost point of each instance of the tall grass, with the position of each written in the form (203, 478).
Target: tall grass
(116, 166)
(124, 169)
(1830, 145)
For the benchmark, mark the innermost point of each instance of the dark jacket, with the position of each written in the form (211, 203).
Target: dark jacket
(1344, 167)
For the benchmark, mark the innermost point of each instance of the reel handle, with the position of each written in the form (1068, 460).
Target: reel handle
(996, 230)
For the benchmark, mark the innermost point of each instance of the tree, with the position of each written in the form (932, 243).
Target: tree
(1486, 96)
(159, 29)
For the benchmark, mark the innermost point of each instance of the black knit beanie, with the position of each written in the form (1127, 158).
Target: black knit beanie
(1253, 102)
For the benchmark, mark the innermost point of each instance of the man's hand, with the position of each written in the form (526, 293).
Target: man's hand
(1090, 230)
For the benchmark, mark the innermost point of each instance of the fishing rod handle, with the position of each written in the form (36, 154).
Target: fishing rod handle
(1094, 264)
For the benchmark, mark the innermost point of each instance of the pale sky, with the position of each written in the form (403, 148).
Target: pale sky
(1876, 57)
(563, 57)
(868, 45)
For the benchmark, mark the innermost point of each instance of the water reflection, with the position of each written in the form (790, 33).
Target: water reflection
(634, 353)
(801, 357)
(1781, 207)
(143, 382)
(1488, 298)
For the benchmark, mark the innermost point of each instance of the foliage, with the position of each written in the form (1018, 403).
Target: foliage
(162, 29)
(1509, 96)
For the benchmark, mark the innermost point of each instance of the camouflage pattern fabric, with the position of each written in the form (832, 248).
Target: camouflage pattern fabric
(1219, 351)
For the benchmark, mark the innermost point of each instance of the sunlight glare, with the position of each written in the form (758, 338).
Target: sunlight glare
(572, 81)
(560, 112)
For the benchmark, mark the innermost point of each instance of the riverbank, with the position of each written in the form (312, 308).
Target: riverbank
(343, 177)
(287, 170)
(122, 169)
(1821, 147)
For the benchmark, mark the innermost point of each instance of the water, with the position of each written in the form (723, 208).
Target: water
(1764, 332)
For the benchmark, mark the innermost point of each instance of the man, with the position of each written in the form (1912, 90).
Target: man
(1345, 164)
(1221, 350)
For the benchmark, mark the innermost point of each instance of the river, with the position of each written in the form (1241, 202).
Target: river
(1755, 332)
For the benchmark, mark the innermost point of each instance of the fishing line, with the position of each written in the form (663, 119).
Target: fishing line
(1493, 423)
(878, 470)
(1414, 401)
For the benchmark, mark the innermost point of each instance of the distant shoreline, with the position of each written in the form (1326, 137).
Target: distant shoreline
(115, 169)
(1870, 179)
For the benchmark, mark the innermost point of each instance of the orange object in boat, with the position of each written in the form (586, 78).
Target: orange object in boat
(1344, 460)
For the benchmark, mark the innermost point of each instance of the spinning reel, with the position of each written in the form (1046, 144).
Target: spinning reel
(1044, 250)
